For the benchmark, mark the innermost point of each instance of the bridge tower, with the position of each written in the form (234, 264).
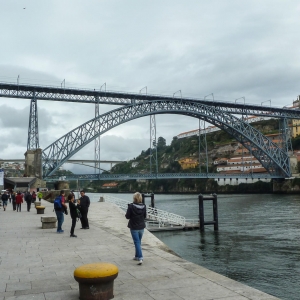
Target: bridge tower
(33, 155)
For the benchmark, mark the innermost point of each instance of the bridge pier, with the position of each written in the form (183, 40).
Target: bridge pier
(33, 163)
(62, 185)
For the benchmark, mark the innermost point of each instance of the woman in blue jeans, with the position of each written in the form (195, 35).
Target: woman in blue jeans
(136, 213)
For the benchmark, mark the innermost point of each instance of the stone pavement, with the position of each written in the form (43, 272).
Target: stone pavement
(38, 263)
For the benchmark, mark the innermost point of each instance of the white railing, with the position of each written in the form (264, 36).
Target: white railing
(160, 216)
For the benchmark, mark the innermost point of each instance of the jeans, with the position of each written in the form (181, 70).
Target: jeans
(18, 207)
(137, 238)
(60, 219)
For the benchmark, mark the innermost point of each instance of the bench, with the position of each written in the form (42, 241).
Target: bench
(48, 222)
(96, 281)
(40, 210)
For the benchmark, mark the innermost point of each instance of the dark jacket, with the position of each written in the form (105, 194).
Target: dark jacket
(73, 210)
(4, 197)
(84, 202)
(136, 213)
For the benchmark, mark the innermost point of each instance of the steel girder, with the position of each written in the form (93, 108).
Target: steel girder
(33, 128)
(274, 159)
(9, 90)
(157, 176)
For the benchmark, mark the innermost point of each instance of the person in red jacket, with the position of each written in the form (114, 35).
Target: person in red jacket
(19, 200)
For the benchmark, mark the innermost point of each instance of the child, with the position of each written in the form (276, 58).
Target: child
(73, 213)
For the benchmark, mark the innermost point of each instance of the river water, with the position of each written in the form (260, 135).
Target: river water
(258, 242)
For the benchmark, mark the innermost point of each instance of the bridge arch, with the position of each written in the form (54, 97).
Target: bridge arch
(273, 158)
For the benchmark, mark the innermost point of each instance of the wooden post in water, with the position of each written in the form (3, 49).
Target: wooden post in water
(215, 209)
(152, 200)
(215, 222)
(201, 212)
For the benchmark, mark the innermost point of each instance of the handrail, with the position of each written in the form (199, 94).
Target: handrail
(152, 213)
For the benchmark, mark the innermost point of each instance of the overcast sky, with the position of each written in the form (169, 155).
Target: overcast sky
(233, 48)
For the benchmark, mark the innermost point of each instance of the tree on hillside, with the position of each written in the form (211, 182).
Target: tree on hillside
(161, 143)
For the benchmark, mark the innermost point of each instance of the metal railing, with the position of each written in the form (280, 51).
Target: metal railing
(160, 216)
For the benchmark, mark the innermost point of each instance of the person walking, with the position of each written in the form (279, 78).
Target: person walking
(4, 199)
(40, 195)
(73, 213)
(84, 204)
(28, 199)
(13, 200)
(33, 196)
(136, 213)
(19, 200)
(60, 211)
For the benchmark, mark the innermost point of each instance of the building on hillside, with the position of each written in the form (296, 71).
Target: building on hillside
(210, 129)
(110, 185)
(296, 122)
(188, 163)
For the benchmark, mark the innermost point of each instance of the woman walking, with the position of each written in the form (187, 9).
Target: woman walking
(73, 213)
(19, 200)
(136, 213)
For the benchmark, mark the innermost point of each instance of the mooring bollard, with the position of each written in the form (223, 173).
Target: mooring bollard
(215, 222)
(96, 281)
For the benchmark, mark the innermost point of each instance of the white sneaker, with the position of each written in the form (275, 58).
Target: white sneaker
(135, 258)
(140, 262)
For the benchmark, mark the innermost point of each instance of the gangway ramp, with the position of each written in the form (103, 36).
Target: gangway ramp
(157, 219)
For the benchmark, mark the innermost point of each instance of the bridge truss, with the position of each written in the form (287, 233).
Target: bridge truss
(219, 113)
(273, 158)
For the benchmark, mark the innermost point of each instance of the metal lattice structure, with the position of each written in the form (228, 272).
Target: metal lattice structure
(273, 158)
(64, 94)
(33, 127)
(97, 139)
(203, 157)
(132, 176)
(153, 144)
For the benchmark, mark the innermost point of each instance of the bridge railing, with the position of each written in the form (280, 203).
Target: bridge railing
(161, 216)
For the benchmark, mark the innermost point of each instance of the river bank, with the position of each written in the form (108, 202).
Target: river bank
(39, 263)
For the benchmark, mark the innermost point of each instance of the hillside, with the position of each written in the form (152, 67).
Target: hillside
(219, 144)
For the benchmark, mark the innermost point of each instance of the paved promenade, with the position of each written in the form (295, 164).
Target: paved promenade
(38, 263)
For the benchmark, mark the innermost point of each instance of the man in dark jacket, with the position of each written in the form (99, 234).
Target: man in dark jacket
(136, 213)
(28, 199)
(84, 204)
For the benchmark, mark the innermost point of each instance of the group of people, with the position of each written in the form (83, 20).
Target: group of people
(77, 210)
(17, 198)
(136, 213)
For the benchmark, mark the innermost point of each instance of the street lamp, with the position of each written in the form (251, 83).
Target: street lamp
(266, 101)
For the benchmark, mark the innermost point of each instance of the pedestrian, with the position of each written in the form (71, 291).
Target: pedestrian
(13, 200)
(136, 213)
(4, 199)
(60, 211)
(40, 195)
(73, 213)
(84, 204)
(9, 196)
(19, 200)
(33, 196)
(28, 199)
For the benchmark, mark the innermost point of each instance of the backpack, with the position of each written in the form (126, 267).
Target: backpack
(57, 203)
